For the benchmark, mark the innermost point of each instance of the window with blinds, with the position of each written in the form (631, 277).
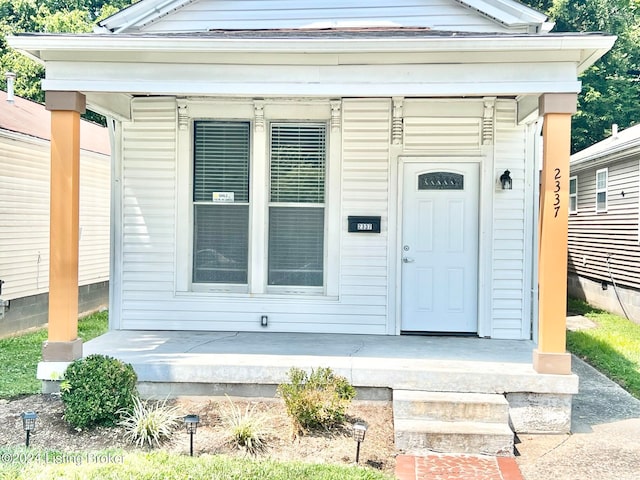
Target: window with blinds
(221, 202)
(296, 204)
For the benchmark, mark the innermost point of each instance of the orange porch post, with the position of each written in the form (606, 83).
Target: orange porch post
(551, 356)
(63, 343)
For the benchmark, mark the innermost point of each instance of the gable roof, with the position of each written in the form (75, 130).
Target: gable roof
(24, 117)
(296, 14)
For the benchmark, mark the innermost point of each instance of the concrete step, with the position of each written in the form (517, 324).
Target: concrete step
(423, 436)
(450, 406)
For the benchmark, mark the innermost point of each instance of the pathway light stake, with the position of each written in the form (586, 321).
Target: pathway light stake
(359, 431)
(28, 423)
(191, 424)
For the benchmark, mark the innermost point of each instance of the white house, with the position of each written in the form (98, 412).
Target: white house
(293, 167)
(24, 214)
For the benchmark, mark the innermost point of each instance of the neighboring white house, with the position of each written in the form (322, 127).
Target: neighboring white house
(604, 224)
(281, 166)
(24, 214)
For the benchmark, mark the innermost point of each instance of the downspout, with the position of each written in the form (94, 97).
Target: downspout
(537, 168)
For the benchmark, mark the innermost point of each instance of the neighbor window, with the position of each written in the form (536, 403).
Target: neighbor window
(601, 190)
(573, 195)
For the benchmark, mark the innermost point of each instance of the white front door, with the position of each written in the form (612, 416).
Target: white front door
(440, 247)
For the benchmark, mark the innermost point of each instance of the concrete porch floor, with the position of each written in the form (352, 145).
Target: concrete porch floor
(173, 363)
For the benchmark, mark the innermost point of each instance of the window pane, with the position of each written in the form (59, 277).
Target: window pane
(221, 156)
(220, 243)
(573, 204)
(573, 183)
(601, 201)
(296, 246)
(298, 163)
(601, 180)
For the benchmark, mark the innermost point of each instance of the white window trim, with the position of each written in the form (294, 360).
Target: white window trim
(284, 110)
(600, 190)
(573, 195)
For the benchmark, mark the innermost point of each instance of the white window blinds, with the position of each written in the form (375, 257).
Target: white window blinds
(296, 213)
(298, 163)
(221, 202)
(221, 160)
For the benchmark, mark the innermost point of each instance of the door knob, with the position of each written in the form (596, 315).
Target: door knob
(407, 260)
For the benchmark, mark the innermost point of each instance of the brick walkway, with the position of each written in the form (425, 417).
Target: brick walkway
(456, 467)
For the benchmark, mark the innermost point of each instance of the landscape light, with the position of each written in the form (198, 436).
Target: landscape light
(191, 424)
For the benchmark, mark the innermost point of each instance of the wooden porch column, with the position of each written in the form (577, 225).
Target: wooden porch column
(63, 343)
(551, 355)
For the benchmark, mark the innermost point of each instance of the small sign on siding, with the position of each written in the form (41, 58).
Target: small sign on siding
(223, 197)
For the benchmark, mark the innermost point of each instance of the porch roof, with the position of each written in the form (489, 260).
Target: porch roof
(582, 49)
(111, 68)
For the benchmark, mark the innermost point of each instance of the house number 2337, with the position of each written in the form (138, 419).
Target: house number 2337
(556, 192)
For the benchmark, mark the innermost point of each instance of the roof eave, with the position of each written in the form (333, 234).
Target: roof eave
(35, 45)
(620, 151)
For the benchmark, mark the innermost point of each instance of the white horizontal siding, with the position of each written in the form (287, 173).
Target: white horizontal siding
(441, 134)
(148, 208)
(365, 191)
(509, 311)
(94, 250)
(260, 14)
(607, 244)
(148, 257)
(24, 215)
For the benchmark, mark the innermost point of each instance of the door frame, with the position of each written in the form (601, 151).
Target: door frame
(485, 205)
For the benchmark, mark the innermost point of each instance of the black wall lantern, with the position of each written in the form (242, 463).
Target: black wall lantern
(505, 180)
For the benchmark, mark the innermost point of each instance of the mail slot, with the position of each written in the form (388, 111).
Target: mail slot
(364, 224)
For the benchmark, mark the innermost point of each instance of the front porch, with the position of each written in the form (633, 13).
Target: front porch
(175, 363)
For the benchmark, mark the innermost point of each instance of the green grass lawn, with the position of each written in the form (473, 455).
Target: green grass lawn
(19, 356)
(160, 465)
(613, 347)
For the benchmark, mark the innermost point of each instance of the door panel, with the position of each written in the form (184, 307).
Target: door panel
(440, 247)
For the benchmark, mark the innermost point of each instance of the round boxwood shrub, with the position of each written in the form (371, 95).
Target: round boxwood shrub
(97, 390)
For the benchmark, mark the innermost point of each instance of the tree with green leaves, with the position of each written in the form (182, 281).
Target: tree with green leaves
(610, 88)
(48, 16)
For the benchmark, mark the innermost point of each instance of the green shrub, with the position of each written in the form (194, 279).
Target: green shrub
(97, 390)
(316, 400)
(246, 429)
(150, 422)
